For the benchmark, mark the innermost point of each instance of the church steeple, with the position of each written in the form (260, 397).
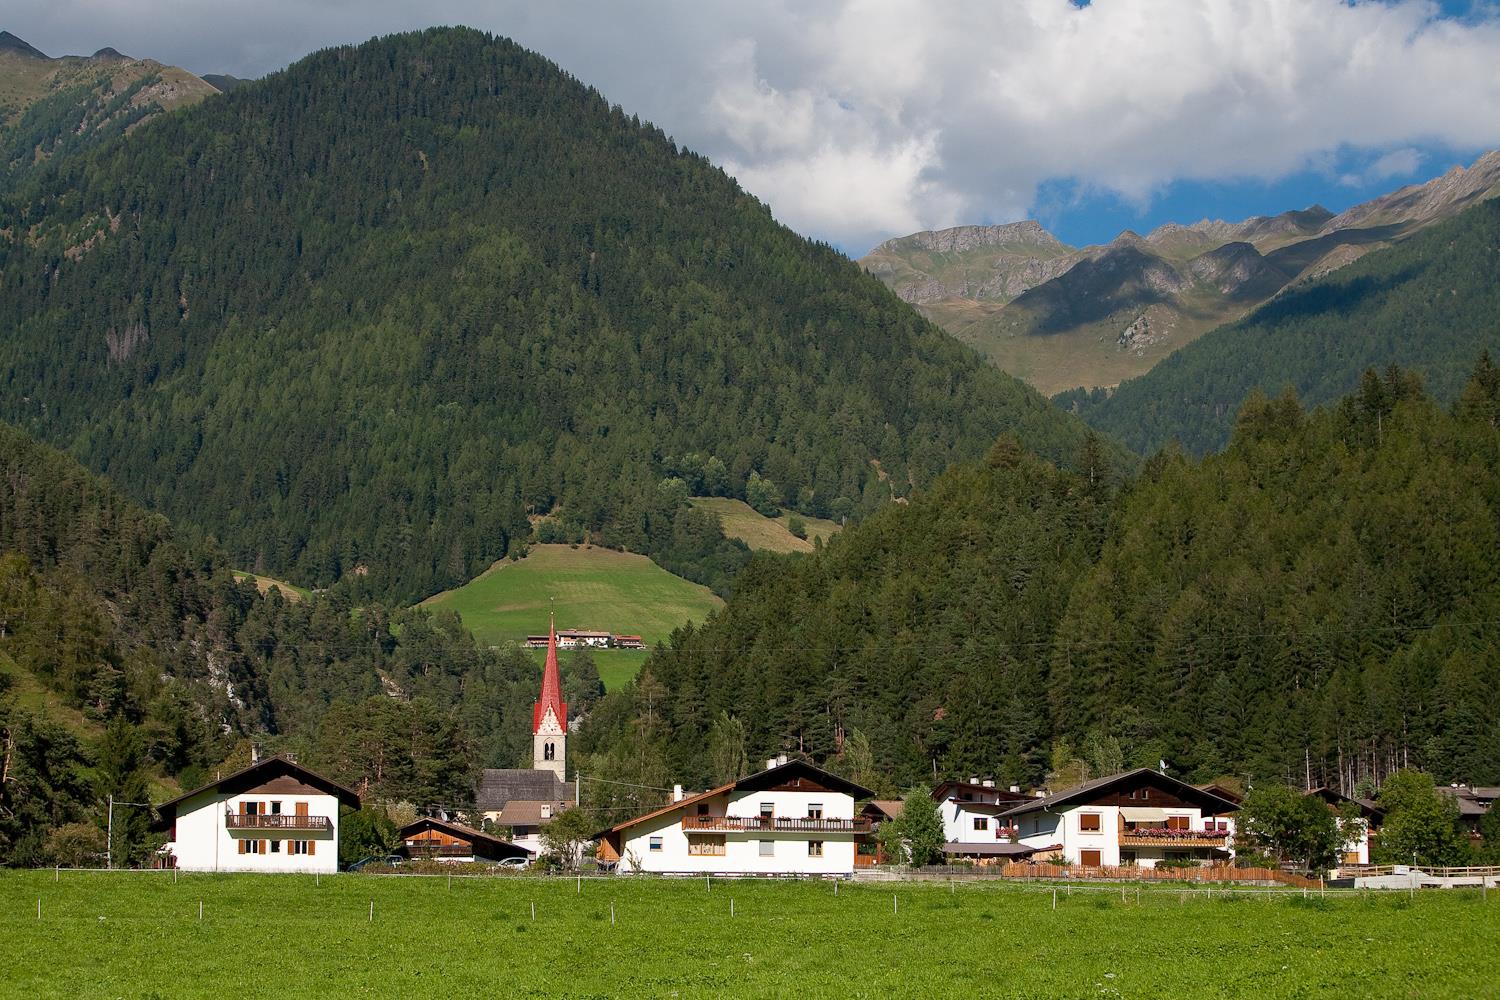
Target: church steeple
(549, 716)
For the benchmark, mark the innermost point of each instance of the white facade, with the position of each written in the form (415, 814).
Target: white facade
(971, 813)
(217, 832)
(1108, 835)
(790, 843)
(549, 745)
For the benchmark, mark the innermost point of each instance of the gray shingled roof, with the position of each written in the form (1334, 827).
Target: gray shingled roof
(1186, 791)
(499, 785)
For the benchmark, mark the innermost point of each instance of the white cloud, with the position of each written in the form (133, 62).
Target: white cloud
(856, 119)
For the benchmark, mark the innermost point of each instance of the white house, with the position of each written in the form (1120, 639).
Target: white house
(1356, 848)
(1140, 817)
(273, 816)
(791, 819)
(973, 826)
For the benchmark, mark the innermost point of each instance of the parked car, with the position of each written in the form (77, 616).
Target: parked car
(514, 863)
(379, 860)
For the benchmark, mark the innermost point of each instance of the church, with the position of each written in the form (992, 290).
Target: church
(526, 799)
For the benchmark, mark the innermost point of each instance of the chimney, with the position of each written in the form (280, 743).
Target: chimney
(989, 782)
(255, 753)
(770, 763)
(1015, 788)
(546, 812)
(974, 780)
(780, 759)
(677, 795)
(1040, 793)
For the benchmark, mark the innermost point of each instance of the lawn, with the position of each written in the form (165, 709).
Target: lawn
(138, 935)
(290, 591)
(594, 588)
(739, 520)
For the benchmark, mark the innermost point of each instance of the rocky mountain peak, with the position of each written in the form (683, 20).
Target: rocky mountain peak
(958, 239)
(10, 43)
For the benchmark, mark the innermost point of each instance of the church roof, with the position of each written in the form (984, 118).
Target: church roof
(500, 785)
(551, 687)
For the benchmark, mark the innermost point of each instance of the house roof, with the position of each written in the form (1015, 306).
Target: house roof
(890, 808)
(499, 785)
(528, 812)
(1223, 793)
(262, 772)
(1080, 794)
(760, 781)
(551, 686)
(998, 849)
(1367, 808)
(1468, 808)
(940, 792)
(462, 832)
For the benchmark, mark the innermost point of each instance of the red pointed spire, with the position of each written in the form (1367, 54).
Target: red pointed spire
(551, 686)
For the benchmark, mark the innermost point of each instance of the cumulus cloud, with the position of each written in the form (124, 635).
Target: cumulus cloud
(859, 119)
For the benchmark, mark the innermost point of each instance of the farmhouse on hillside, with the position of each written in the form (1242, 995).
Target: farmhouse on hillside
(1140, 817)
(793, 818)
(526, 799)
(1356, 851)
(432, 839)
(273, 816)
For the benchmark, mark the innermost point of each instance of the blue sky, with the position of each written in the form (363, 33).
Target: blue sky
(859, 120)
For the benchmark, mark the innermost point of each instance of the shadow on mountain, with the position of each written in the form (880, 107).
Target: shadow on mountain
(1331, 295)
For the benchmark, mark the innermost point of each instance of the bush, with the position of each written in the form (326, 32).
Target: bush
(797, 527)
(76, 845)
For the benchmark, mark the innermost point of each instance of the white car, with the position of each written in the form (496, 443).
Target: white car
(515, 863)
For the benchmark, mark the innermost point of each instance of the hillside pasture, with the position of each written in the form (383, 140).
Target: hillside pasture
(138, 934)
(290, 591)
(593, 588)
(769, 534)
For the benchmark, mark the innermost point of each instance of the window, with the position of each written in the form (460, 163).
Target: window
(706, 844)
(815, 848)
(1178, 823)
(1145, 793)
(1089, 859)
(1132, 793)
(981, 823)
(549, 751)
(767, 810)
(703, 809)
(767, 848)
(275, 847)
(815, 810)
(655, 843)
(275, 808)
(1127, 858)
(1088, 822)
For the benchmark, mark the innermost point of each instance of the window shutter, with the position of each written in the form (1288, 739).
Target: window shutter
(301, 808)
(242, 846)
(265, 846)
(312, 847)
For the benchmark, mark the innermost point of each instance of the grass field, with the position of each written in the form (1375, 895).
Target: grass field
(594, 589)
(290, 591)
(740, 520)
(138, 935)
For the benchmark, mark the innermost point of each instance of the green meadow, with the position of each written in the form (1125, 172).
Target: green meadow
(138, 935)
(590, 588)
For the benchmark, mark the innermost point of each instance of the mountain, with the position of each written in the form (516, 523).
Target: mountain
(1319, 599)
(362, 319)
(223, 82)
(56, 107)
(1428, 303)
(122, 639)
(1062, 317)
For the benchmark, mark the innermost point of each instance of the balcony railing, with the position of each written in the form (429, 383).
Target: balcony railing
(276, 821)
(1166, 837)
(773, 824)
(424, 850)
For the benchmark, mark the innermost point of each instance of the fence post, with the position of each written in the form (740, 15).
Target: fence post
(533, 910)
(372, 911)
(200, 911)
(39, 907)
(611, 913)
(1054, 898)
(893, 903)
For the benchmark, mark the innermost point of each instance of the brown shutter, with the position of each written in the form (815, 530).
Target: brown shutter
(312, 847)
(242, 846)
(265, 847)
(301, 808)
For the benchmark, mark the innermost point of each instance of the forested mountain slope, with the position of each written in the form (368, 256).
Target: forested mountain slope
(132, 632)
(361, 318)
(1431, 303)
(1321, 599)
(51, 108)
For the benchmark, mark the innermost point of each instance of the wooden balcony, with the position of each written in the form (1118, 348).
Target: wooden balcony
(276, 821)
(1162, 837)
(773, 824)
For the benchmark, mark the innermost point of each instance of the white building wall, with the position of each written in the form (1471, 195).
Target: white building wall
(1042, 829)
(204, 841)
(742, 849)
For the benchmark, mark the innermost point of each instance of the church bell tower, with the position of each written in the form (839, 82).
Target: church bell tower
(549, 717)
